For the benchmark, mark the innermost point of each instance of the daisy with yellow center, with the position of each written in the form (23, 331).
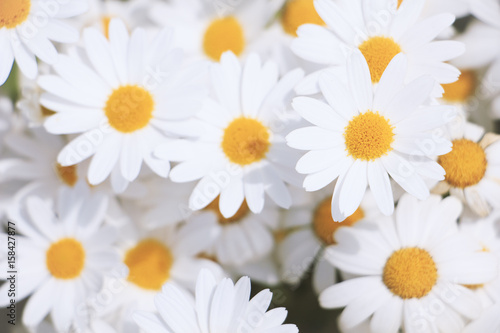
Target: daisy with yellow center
(159, 256)
(23, 37)
(207, 31)
(362, 136)
(472, 168)
(403, 265)
(65, 256)
(121, 110)
(310, 233)
(241, 154)
(348, 27)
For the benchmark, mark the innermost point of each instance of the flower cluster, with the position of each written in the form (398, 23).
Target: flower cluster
(154, 151)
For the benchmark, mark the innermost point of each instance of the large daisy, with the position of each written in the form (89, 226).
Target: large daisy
(207, 29)
(127, 100)
(241, 154)
(28, 28)
(472, 168)
(379, 35)
(216, 308)
(64, 256)
(362, 137)
(407, 268)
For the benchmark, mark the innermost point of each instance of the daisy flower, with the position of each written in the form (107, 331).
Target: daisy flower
(207, 29)
(242, 238)
(27, 29)
(241, 154)
(310, 231)
(361, 136)
(471, 167)
(380, 35)
(130, 97)
(408, 265)
(153, 258)
(486, 234)
(64, 256)
(216, 308)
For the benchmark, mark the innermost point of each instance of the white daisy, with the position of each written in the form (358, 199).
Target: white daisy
(125, 102)
(241, 154)
(216, 308)
(207, 29)
(242, 238)
(408, 267)
(154, 258)
(380, 36)
(27, 29)
(486, 234)
(310, 230)
(362, 136)
(63, 258)
(472, 168)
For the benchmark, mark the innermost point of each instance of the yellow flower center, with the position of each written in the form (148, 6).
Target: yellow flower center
(324, 225)
(224, 34)
(369, 136)
(378, 52)
(410, 273)
(149, 264)
(129, 108)
(465, 165)
(68, 174)
(240, 214)
(299, 12)
(13, 12)
(245, 141)
(65, 259)
(460, 90)
(105, 21)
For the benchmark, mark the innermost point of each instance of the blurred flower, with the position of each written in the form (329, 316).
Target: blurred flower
(217, 308)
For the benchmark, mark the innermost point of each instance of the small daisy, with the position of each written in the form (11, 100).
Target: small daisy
(207, 29)
(310, 230)
(406, 266)
(349, 26)
(130, 98)
(27, 29)
(64, 256)
(154, 258)
(216, 308)
(462, 92)
(472, 168)
(241, 154)
(486, 234)
(362, 136)
(242, 238)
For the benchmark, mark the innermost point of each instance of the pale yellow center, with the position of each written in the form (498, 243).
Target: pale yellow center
(13, 13)
(129, 108)
(65, 259)
(299, 12)
(465, 165)
(410, 273)
(224, 34)
(369, 136)
(68, 174)
(324, 225)
(460, 90)
(378, 52)
(149, 264)
(245, 141)
(237, 217)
